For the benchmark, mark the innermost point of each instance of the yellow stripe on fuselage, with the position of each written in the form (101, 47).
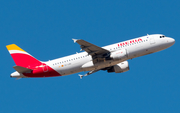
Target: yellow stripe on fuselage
(14, 47)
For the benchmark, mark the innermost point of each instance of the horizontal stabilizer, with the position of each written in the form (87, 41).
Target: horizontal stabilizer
(21, 69)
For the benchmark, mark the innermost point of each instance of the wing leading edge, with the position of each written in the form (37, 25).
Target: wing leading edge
(91, 49)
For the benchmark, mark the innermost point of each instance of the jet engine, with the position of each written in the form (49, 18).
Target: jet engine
(119, 55)
(119, 68)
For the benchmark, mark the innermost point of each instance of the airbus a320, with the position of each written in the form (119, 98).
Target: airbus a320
(111, 58)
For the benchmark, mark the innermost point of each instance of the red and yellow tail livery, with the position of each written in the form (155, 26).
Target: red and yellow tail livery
(27, 65)
(21, 57)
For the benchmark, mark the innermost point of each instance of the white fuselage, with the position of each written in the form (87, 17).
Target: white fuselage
(76, 62)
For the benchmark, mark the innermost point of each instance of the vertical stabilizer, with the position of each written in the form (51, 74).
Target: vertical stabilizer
(21, 57)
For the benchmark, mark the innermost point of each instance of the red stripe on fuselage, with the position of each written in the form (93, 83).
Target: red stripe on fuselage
(39, 71)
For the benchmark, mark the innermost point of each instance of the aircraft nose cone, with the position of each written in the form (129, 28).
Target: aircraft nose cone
(171, 40)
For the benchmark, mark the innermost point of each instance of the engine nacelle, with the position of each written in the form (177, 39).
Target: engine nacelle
(119, 55)
(120, 68)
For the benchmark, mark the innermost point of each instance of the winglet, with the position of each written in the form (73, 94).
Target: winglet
(80, 76)
(75, 40)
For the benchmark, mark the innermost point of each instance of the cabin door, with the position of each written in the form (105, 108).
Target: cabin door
(152, 40)
(45, 68)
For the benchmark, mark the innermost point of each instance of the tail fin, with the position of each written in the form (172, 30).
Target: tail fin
(21, 57)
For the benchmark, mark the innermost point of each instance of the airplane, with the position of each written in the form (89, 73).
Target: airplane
(111, 58)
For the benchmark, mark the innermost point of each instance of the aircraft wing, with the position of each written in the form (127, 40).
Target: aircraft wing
(91, 49)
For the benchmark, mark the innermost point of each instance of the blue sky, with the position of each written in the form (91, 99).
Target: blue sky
(45, 29)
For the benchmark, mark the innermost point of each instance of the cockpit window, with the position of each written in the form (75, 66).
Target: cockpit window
(162, 36)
